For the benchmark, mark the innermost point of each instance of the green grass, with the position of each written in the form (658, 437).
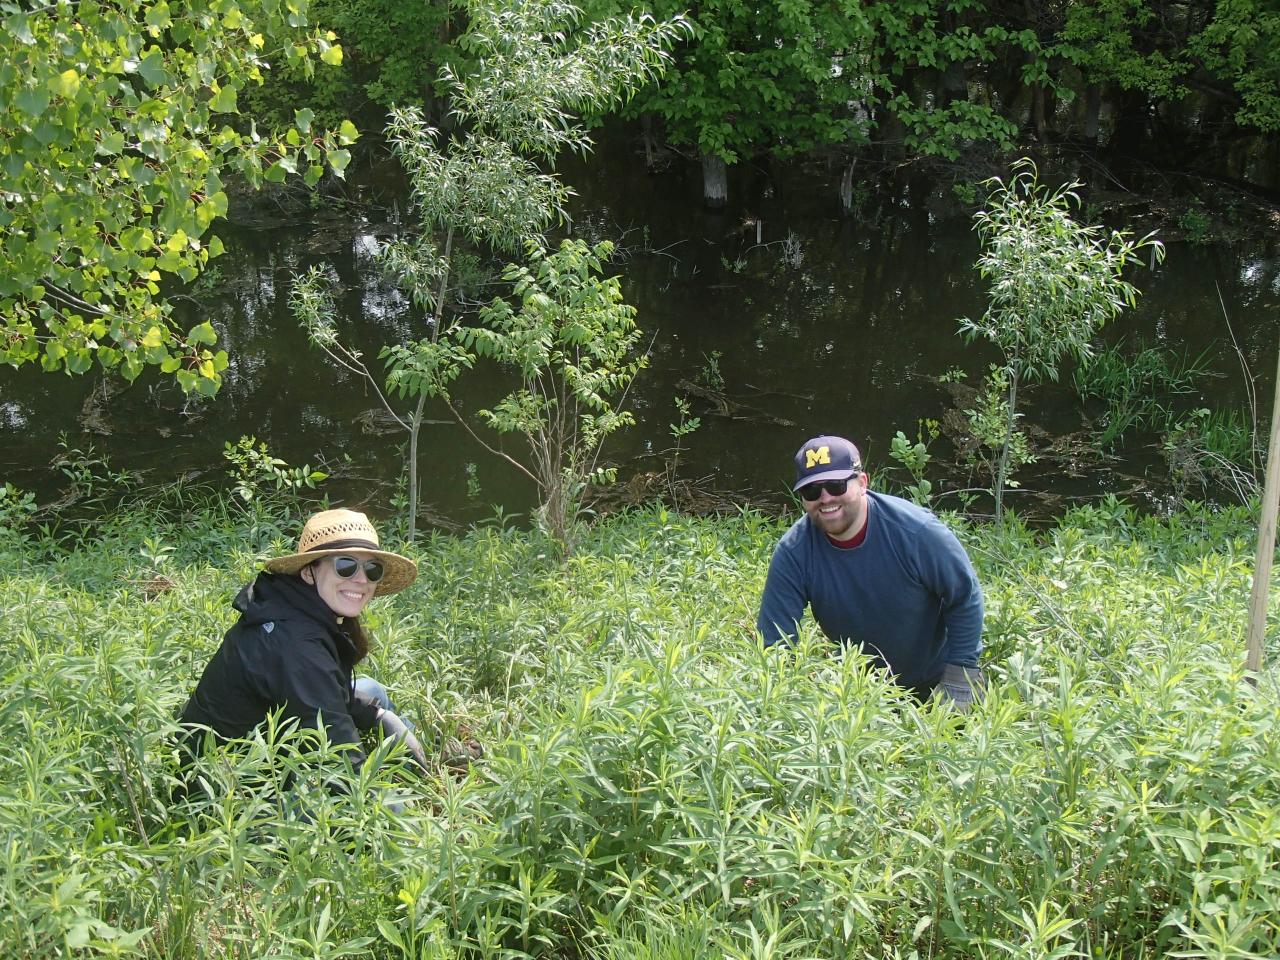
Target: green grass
(656, 786)
(1137, 384)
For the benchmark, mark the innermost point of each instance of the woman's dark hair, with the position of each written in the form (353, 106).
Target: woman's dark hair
(359, 639)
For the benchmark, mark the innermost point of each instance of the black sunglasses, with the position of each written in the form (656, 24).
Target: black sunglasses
(346, 567)
(812, 491)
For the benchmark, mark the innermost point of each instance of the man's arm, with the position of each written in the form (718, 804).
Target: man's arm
(783, 601)
(947, 571)
(952, 578)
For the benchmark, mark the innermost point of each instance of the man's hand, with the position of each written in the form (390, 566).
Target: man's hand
(393, 726)
(960, 685)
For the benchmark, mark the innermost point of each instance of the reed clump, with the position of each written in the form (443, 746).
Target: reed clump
(655, 785)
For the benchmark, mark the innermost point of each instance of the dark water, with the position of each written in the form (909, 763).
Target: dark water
(806, 322)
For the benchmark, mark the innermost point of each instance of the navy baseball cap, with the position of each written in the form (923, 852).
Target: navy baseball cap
(826, 458)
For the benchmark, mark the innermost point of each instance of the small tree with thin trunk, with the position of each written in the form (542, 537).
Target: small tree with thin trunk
(574, 343)
(489, 184)
(1054, 283)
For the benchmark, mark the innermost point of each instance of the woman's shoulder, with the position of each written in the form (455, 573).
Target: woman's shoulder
(271, 646)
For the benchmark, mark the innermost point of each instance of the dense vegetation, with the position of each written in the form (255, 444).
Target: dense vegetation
(655, 786)
(118, 127)
(123, 124)
(928, 76)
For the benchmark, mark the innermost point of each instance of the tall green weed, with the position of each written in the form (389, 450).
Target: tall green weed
(656, 786)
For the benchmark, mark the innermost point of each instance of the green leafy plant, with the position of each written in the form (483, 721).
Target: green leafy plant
(473, 481)
(252, 466)
(1135, 386)
(119, 133)
(966, 193)
(573, 342)
(490, 183)
(92, 478)
(1054, 283)
(17, 510)
(657, 786)
(1196, 224)
(915, 458)
(157, 554)
(684, 426)
(1000, 451)
(1212, 450)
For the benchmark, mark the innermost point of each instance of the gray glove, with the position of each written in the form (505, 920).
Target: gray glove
(963, 686)
(393, 726)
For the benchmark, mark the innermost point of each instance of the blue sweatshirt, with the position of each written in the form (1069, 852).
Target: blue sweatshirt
(907, 595)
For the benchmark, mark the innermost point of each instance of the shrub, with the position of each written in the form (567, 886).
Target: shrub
(657, 786)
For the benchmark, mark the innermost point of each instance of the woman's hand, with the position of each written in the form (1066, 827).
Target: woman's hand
(393, 726)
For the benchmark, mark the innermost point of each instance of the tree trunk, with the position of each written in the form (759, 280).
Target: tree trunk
(415, 425)
(889, 129)
(846, 188)
(1266, 546)
(1092, 111)
(1002, 472)
(1038, 111)
(953, 81)
(1050, 110)
(1132, 120)
(715, 181)
(954, 85)
(646, 134)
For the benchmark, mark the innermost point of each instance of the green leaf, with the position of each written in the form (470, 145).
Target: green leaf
(45, 132)
(332, 56)
(203, 333)
(65, 84)
(302, 119)
(157, 15)
(111, 144)
(224, 100)
(152, 69)
(338, 160)
(32, 101)
(18, 26)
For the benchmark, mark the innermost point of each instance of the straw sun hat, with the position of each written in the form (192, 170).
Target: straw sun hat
(332, 533)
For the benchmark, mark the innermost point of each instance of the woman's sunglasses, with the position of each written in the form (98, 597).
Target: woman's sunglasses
(346, 567)
(812, 491)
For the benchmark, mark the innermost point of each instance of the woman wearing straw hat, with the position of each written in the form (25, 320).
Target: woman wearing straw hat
(299, 638)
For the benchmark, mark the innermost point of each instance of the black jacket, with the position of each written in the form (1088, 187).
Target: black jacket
(287, 650)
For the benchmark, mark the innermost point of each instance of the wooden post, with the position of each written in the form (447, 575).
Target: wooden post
(715, 181)
(1266, 542)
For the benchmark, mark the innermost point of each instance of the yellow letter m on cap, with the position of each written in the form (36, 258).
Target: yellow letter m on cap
(814, 457)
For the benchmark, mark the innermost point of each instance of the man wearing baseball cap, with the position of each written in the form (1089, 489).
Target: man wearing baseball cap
(879, 573)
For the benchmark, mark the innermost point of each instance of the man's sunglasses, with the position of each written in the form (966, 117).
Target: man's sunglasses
(346, 567)
(812, 491)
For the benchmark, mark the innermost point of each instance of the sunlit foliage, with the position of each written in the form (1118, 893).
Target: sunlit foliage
(656, 785)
